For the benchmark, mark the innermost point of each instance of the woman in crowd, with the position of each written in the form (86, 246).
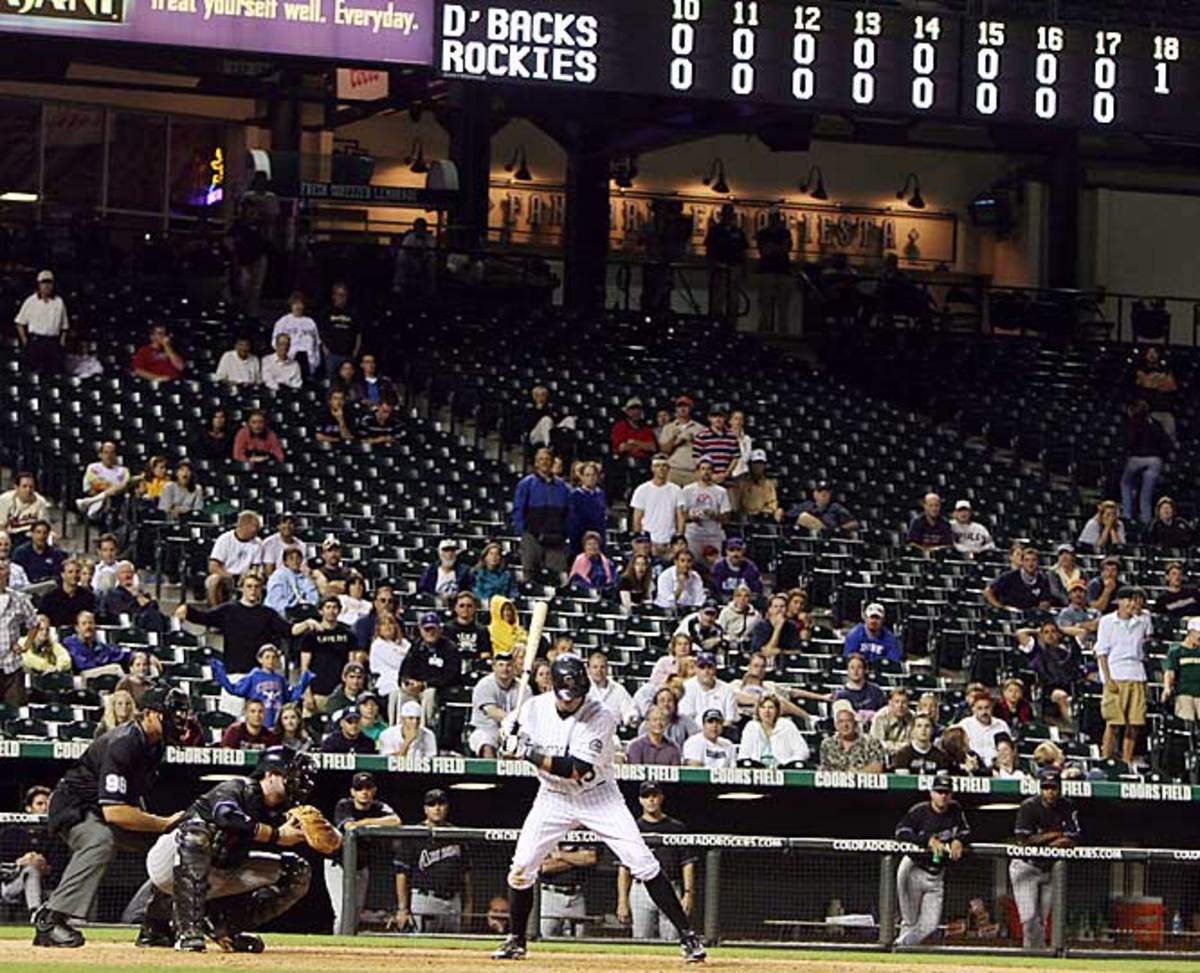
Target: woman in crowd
(770, 740)
(216, 438)
(1105, 530)
(302, 330)
(592, 571)
(540, 681)
(388, 649)
(797, 611)
(505, 629)
(636, 586)
(492, 576)
(41, 651)
(738, 618)
(1006, 764)
(355, 603)
(1064, 573)
(182, 495)
(966, 762)
(291, 730)
(737, 429)
(119, 708)
(143, 669)
(149, 486)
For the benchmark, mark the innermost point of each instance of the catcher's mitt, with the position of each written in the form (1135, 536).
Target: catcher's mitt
(318, 832)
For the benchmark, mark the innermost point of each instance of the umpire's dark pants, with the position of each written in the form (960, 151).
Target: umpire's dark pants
(93, 845)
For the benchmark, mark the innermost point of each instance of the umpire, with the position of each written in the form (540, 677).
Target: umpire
(939, 826)
(433, 874)
(97, 809)
(1047, 820)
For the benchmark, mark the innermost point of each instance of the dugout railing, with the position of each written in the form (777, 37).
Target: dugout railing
(832, 893)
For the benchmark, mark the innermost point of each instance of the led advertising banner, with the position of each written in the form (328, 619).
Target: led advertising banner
(396, 31)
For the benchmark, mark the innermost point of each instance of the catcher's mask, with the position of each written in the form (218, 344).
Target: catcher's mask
(173, 705)
(297, 768)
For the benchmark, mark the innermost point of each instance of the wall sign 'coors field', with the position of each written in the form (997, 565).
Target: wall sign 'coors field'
(833, 57)
(397, 31)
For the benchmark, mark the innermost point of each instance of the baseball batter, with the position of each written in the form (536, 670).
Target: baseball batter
(569, 739)
(1049, 819)
(940, 826)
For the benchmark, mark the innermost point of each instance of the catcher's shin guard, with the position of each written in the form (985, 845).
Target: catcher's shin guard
(193, 858)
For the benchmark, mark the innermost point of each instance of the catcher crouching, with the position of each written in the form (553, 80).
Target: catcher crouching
(223, 871)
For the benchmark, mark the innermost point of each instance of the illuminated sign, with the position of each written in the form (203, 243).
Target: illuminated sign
(349, 31)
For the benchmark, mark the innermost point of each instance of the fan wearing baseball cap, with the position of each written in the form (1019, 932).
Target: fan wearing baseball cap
(433, 874)
(871, 639)
(431, 667)
(360, 808)
(655, 504)
(756, 495)
(822, 514)
(631, 436)
(708, 748)
(675, 442)
(42, 325)
(408, 739)
(970, 536)
(704, 692)
(1121, 653)
(718, 443)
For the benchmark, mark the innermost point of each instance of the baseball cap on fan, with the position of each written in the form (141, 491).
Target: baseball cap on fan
(874, 610)
(963, 505)
(45, 277)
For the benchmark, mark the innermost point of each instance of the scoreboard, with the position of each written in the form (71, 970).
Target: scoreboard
(833, 57)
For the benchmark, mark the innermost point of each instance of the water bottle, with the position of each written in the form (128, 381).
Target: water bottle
(1176, 924)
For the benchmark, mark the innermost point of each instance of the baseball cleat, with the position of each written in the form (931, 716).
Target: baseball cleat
(512, 948)
(151, 936)
(51, 929)
(692, 948)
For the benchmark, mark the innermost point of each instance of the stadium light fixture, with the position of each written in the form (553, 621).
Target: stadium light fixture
(520, 163)
(916, 200)
(716, 177)
(999, 806)
(818, 187)
(416, 158)
(740, 796)
(14, 196)
(624, 172)
(474, 785)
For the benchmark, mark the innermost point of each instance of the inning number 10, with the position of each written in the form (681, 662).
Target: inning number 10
(683, 42)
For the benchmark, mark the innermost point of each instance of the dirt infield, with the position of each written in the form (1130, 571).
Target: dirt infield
(115, 957)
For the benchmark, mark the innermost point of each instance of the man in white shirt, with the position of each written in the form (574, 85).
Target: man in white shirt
(408, 740)
(654, 504)
(305, 336)
(284, 538)
(708, 748)
(42, 325)
(970, 537)
(102, 480)
(233, 554)
(17, 578)
(607, 692)
(704, 692)
(982, 728)
(22, 506)
(238, 366)
(1120, 641)
(703, 510)
(278, 369)
(679, 586)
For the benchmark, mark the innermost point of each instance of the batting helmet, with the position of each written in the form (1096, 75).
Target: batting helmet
(173, 704)
(568, 676)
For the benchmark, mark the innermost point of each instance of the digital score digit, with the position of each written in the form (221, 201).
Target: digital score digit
(805, 48)
(745, 20)
(990, 41)
(868, 25)
(684, 15)
(1105, 74)
(927, 31)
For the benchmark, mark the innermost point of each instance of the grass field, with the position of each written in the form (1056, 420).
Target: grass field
(112, 951)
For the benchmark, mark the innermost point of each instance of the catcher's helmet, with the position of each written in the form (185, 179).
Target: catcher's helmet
(568, 676)
(297, 768)
(173, 704)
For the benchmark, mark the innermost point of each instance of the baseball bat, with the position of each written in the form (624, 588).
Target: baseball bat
(537, 622)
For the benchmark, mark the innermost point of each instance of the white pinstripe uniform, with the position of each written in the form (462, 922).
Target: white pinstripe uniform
(594, 803)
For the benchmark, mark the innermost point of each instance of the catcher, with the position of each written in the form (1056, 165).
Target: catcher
(222, 872)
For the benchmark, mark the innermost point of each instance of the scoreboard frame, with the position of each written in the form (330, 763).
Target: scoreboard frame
(834, 57)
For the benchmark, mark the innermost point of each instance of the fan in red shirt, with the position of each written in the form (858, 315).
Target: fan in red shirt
(631, 436)
(1013, 707)
(158, 361)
